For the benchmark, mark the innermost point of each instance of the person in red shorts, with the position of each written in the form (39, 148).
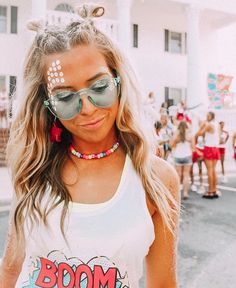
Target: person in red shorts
(211, 153)
(197, 157)
(224, 136)
(182, 114)
(234, 144)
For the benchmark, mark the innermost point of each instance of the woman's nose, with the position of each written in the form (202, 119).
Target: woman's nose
(86, 107)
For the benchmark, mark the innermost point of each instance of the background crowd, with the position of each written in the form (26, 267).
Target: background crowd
(185, 146)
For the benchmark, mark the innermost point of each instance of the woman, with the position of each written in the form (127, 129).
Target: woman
(3, 109)
(159, 142)
(197, 157)
(234, 144)
(183, 145)
(167, 131)
(211, 153)
(224, 137)
(83, 200)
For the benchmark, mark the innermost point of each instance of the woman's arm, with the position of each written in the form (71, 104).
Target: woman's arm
(160, 151)
(202, 130)
(234, 139)
(193, 143)
(12, 260)
(227, 137)
(174, 140)
(161, 259)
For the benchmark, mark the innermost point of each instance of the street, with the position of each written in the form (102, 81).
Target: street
(207, 239)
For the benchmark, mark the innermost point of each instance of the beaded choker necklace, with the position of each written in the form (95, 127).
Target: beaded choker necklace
(94, 155)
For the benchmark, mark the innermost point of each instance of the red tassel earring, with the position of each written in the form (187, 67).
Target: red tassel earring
(55, 132)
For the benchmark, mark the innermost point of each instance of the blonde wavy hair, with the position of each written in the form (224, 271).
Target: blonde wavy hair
(36, 163)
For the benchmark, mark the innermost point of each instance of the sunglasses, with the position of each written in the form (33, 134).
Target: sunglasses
(67, 104)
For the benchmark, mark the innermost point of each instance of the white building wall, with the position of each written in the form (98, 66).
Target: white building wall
(12, 46)
(155, 67)
(228, 6)
(151, 61)
(208, 52)
(226, 53)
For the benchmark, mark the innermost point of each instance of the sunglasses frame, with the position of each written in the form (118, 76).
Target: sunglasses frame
(47, 103)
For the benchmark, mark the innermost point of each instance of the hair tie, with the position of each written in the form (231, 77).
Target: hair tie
(88, 11)
(36, 25)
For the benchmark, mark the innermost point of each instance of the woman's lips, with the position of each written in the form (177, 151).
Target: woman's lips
(93, 124)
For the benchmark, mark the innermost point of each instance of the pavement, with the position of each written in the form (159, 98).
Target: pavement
(207, 237)
(6, 190)
(207, 241)
(220, 272)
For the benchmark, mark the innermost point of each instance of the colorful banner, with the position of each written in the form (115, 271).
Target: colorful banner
(218, 89)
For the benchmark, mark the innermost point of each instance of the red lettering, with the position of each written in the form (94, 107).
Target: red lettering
(50, 275)
(47, 272)
(83, 269)
(62, 268)
(107, 279)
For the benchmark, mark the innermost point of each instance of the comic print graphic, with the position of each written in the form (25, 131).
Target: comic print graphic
(58, 271)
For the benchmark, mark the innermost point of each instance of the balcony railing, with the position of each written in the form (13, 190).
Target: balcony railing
(109, 27)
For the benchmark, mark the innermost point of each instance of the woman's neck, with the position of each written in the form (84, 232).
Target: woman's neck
(89, 147)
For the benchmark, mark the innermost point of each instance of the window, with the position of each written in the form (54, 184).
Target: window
(175, 42)
(173, 96)
(3, 19)
(4, 26)
(13, 19)
(65, 8)
(135, 35)
(185, 42)
(12, 90)
(12, 85)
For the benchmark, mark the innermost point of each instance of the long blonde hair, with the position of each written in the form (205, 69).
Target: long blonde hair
(36, 163)
(182, 128)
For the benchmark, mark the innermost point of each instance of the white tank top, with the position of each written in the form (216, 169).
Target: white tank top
(212, 139)
(107, 244)
(222, 138)
(183, 149)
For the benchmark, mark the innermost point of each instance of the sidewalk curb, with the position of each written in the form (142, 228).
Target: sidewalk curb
(5, 205)
(6, 208)
(5, 202)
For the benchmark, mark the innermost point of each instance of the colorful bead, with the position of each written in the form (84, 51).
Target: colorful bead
(94, 156)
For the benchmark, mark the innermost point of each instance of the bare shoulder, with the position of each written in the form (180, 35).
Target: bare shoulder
(163, 249)
(12, 260)
(169, 177)
(12, 241)
(166, 173)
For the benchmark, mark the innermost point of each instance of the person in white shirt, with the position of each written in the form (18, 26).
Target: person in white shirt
(210, 130)
(198, 158)
(224, 137)
(234, 144)
(159, 140)
(182, 145)
(150, 108)
(92, 200)
(3, 109)
(166, 133)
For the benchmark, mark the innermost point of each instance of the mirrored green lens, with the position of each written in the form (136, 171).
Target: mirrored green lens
(104, 93)
(67, 104)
